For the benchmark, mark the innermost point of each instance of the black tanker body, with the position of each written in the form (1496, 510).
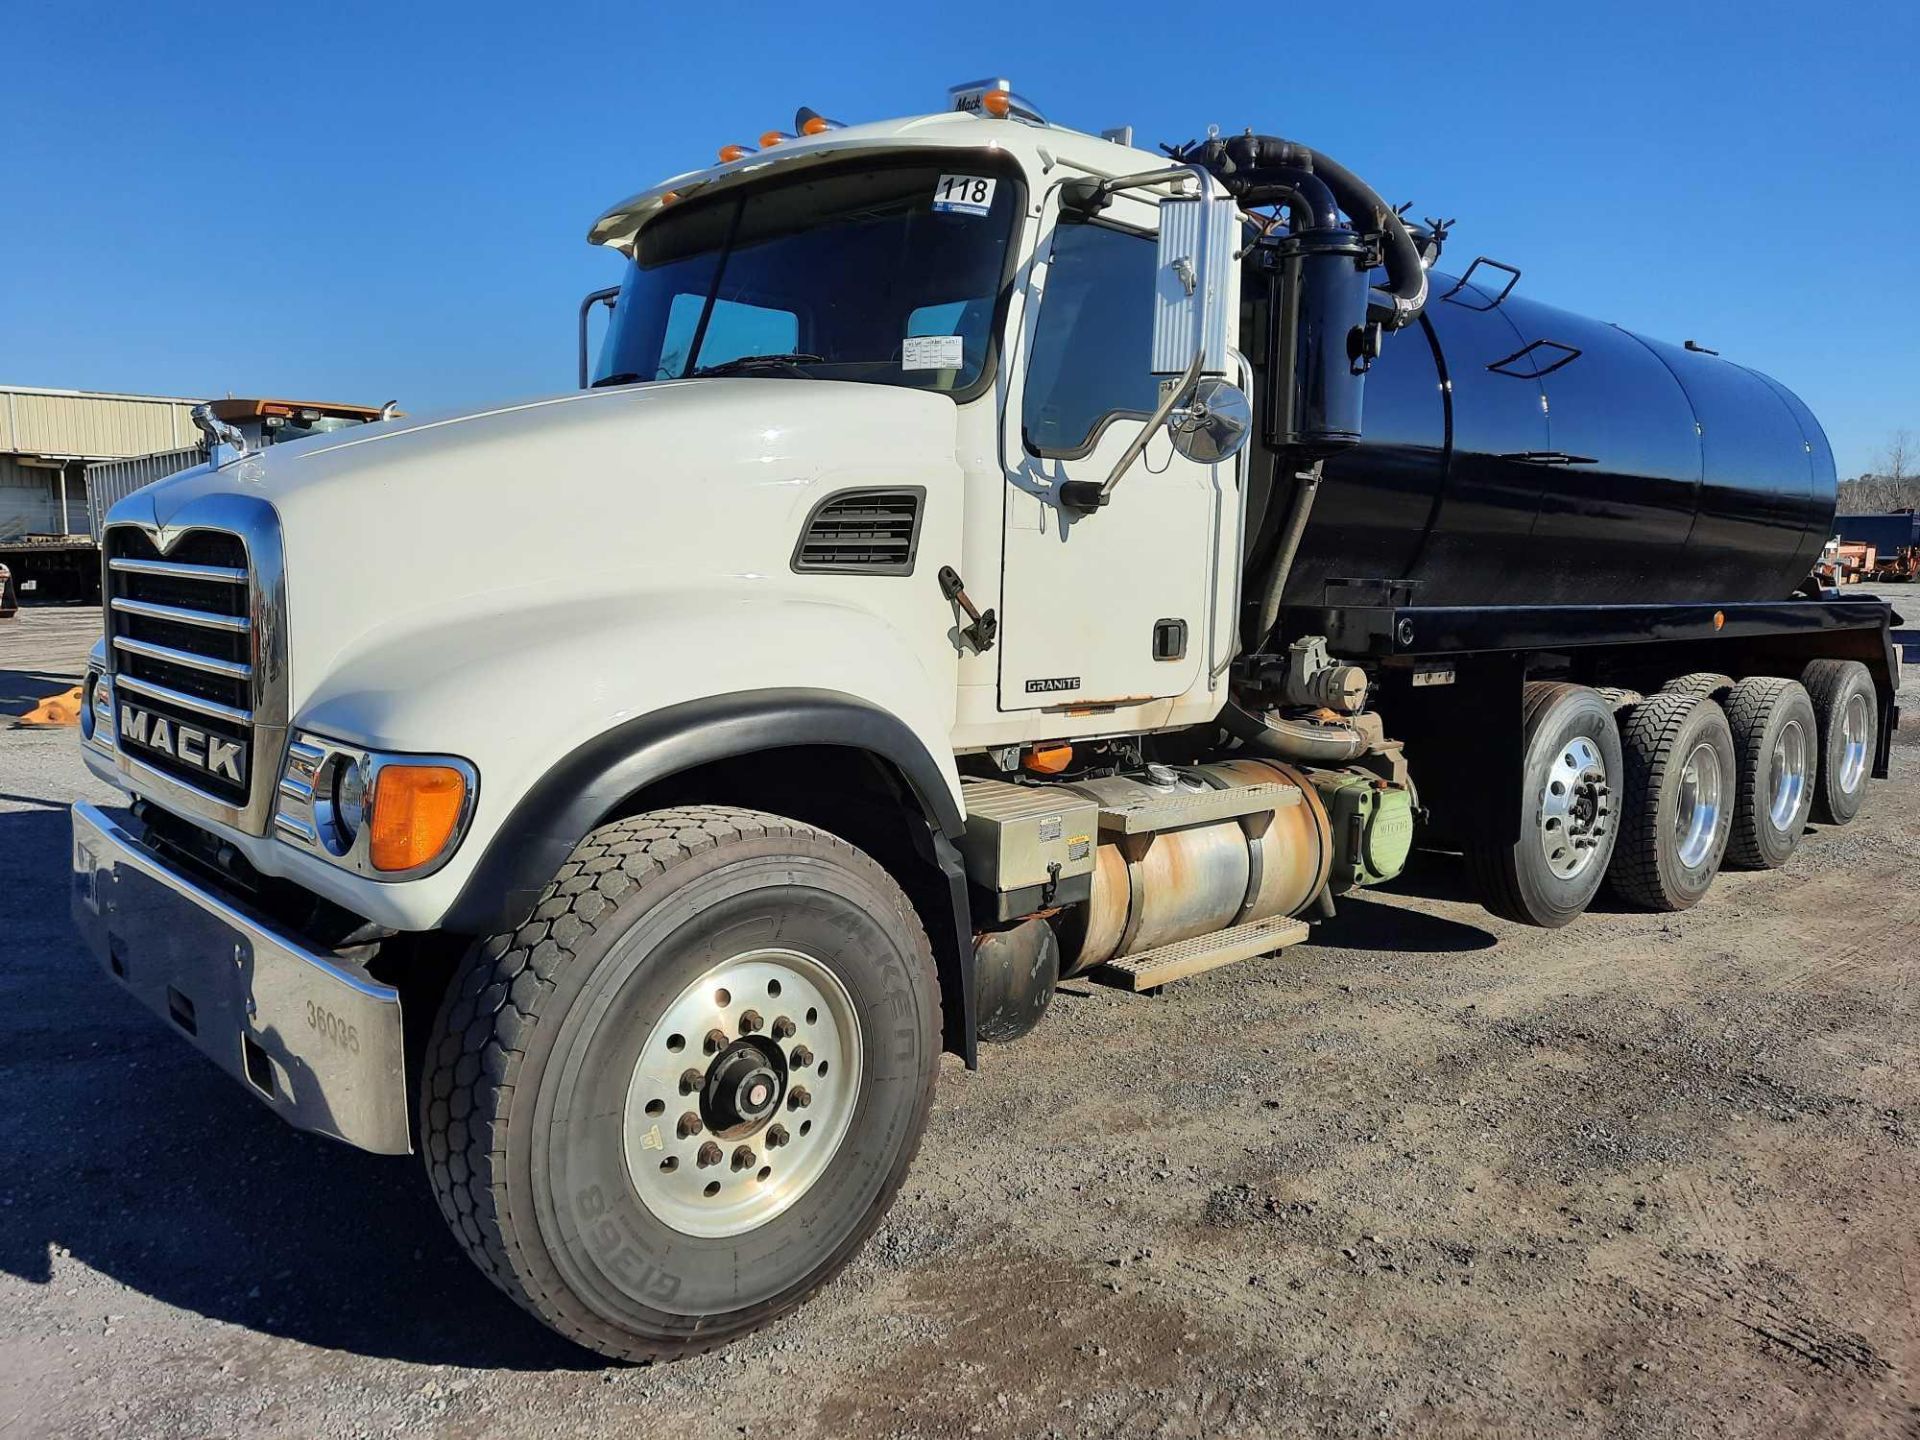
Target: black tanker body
(1516, 454)
(1542, 552)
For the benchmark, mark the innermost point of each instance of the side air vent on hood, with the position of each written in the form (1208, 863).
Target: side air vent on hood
(862, 532)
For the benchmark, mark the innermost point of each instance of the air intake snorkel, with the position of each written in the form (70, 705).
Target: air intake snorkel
(1325, 316)
(1266, 170)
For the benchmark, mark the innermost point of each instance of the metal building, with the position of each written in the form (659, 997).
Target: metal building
(67, 455)
(48, 437)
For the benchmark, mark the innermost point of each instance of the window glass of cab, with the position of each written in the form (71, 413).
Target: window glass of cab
(837, 266)
(1093, 340)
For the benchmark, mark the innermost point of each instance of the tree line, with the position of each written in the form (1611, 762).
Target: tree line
(1892, 485)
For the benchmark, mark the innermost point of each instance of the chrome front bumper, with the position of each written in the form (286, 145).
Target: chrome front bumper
(308, 1036)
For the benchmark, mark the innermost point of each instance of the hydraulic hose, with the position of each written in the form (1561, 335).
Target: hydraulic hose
(1307, 486)
(1247, 164)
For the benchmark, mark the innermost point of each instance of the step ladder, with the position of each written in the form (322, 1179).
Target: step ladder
(1151, 969)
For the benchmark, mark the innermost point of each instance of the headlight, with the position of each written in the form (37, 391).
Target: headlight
(339, 803)
(392, 816)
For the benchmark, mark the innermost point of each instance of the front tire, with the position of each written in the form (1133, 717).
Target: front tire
(673, 1104)
(1569, 782)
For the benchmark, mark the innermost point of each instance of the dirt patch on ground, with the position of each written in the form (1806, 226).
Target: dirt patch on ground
(1431, 1175)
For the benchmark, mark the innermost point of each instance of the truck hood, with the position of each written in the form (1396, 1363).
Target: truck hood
(691, 491)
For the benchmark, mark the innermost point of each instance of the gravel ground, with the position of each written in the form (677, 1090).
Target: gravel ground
(1433, 1174)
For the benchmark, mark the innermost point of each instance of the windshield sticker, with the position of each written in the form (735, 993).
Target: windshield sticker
(963, 195)
(932, 352)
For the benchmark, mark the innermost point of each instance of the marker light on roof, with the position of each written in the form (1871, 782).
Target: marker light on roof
(731, 153)
(997, 103)
(772, 138)
(812, 122)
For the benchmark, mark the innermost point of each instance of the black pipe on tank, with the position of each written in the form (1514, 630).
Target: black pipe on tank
(1241, 163)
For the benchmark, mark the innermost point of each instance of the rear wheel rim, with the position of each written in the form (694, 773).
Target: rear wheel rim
(742, 1094)
(1696, 818)
(1787, 775)
(1856, 729)
(1576, 808)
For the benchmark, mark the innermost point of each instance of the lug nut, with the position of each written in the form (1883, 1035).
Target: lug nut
(751, 1022)
(802, 1058)
(798, 1097)
(692, 1080)
(743, 1158)
(777, 1136)
(716, 1041)
(709, 1155)
(782, 1028)
(689, 1124)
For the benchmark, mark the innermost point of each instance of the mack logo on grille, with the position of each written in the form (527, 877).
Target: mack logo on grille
(214, 754)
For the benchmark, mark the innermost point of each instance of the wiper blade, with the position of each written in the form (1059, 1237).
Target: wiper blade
(790, 360)
(625, 377)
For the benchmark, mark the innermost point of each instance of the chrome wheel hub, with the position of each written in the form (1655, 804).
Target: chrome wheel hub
(742, 1093)
(1576, 808)
(1696, 818)
(1787, 775)
(1856, 728)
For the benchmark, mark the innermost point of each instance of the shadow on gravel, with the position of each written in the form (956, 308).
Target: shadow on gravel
(1434, 875)
(129, 1151)
(1361, 924)
(21, 690)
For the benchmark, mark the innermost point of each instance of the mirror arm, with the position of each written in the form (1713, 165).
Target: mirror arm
(1084, 495)
(599, 297)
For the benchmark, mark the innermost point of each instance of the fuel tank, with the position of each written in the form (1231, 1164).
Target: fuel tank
(1516, 454)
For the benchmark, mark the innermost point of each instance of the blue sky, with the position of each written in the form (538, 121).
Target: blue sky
(365, 202)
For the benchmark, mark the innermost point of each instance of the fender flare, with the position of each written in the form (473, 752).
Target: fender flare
(593, 781)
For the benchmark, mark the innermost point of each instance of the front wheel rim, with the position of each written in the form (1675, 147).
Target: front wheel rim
(1787, 775)
(1856, 730)
(742, 1093)
(1696, 818)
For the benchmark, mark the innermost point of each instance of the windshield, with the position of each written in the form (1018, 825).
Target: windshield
(890, 274)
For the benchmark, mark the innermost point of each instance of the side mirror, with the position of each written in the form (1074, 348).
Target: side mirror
(1214, 425)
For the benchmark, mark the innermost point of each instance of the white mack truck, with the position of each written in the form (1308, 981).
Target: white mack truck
(1016, 555)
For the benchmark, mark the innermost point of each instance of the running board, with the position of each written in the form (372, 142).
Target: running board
(1151, 969)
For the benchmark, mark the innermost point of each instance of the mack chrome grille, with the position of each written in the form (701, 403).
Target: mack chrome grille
(183, 654)
(862, 532)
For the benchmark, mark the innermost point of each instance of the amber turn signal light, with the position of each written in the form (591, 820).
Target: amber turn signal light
(1048, 759)
(416, 809)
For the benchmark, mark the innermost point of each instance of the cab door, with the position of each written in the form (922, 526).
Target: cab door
(1115, 606)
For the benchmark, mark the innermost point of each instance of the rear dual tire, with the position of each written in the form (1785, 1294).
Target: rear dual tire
(1570, 781)
(1774, 736)
(1847, 714)
(1681, 776)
